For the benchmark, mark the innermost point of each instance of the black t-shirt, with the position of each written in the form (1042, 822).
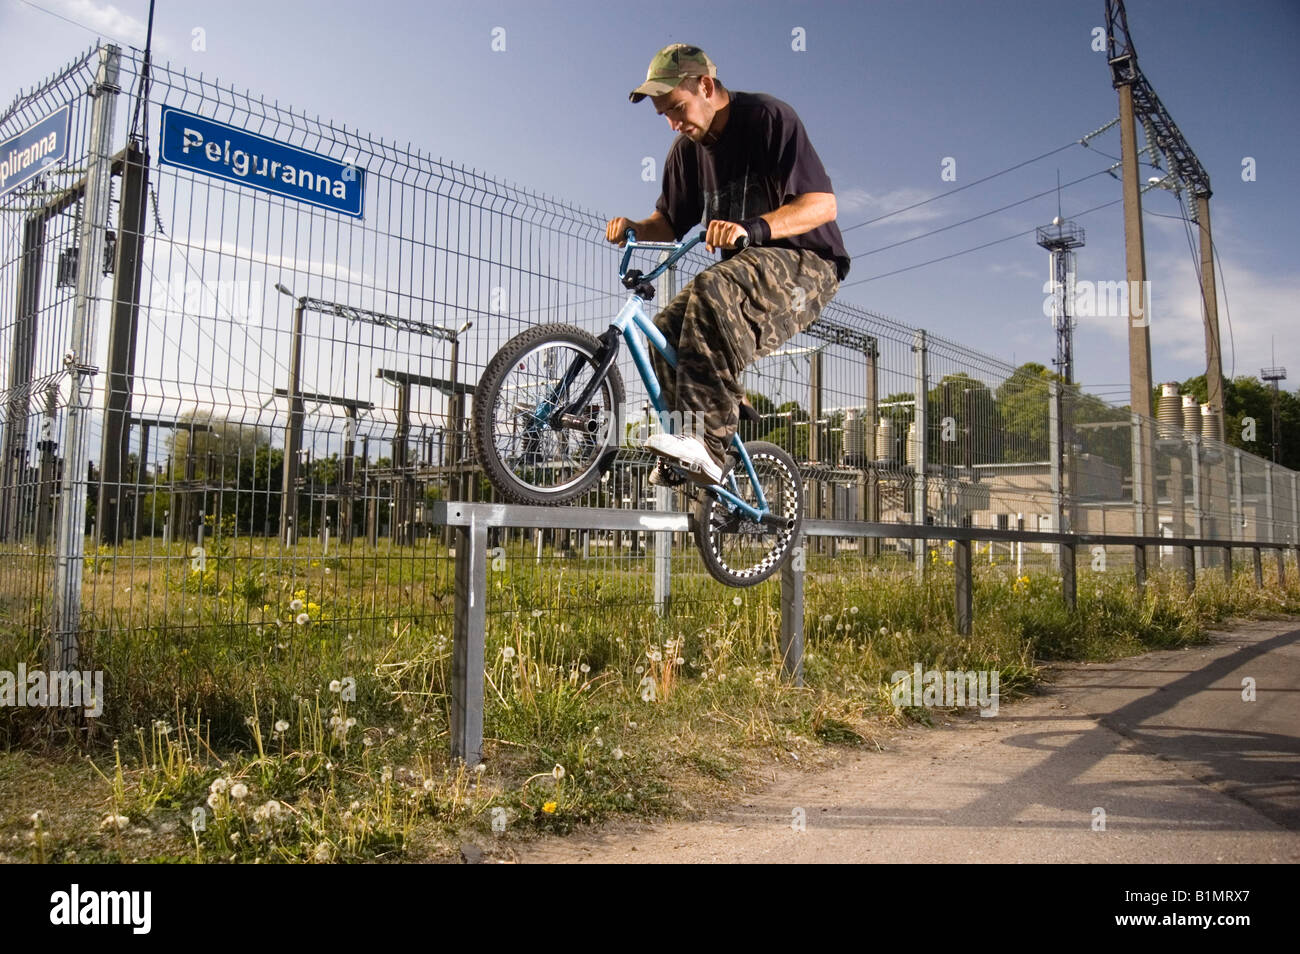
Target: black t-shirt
(762, 160)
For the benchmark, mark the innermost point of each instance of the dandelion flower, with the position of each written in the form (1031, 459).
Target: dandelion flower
(115, 822)
(355, 806)
(350, 722)
(428, 785)
(549, 808)
(214, 800)
(722, 677)
(296, 606)
(631, 725)
(37, 817)
(853, 610)
(238, 790)
(617, 753)
(322, 853)
(302, 619)
(584, 668)
(656, 656)
(558, 772)
(335, 685)
(281, 725)
(737, 600)
(537, 613)
(386, 774)
(480, 768)
(218, 786)
(639, 669)
(827, 618)
(679, 661)
(508, 653)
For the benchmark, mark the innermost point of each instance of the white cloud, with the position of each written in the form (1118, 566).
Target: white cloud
(855, 205)
(1257, 312)
(103, 18)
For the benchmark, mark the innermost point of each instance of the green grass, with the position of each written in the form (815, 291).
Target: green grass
(334, 730)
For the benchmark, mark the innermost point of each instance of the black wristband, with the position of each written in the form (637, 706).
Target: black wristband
(760, 233)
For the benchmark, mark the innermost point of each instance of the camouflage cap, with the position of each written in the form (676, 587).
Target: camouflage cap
(669, 67)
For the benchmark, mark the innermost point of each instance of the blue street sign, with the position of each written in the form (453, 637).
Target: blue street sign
(36, 147)
(215, 149)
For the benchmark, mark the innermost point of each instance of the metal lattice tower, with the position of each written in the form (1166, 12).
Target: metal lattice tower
(1060, 239)
(1273, 376)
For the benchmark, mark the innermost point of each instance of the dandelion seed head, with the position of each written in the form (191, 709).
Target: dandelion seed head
(281, 725)
(302, 619)
(238, 791)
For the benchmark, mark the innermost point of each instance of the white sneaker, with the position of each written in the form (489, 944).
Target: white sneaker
(689, 453)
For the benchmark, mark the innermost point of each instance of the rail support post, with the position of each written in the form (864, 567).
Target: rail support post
(963, 585)
(792, 614)
(1189, 566)
(1281, 566)
(1140, 566)
(469, 632)
(1227, 565)
(1069, 583)
(1257, 559)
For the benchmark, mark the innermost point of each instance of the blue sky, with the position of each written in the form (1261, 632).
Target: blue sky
(887, 90)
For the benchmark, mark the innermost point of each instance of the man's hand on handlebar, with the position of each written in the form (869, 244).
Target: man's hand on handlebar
(616, 230)
(721, 234)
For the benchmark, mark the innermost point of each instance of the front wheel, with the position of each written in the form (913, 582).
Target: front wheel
(526, 453)
(735, 550)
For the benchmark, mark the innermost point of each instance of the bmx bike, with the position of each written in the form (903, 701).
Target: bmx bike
(547, 425)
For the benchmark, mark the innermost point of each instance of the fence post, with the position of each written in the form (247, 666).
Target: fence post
(1189, 566)
(1140, 566)
(963, 585)
(663, 539)
(920, 495)
(1054, 454)
(1238, 505)
(469, 633)
(1198, 524)
(1069, 583)
(1258, 559)
(1227, 565)
(792, 613)
(1268, 501)
(1281, 565)
(70, 539)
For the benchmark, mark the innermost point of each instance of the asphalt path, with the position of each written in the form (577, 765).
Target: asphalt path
(1157, 758)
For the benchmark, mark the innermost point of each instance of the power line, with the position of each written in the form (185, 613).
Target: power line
(1214, 251)
(1084, 141)
(77, 23)
(1012, 205)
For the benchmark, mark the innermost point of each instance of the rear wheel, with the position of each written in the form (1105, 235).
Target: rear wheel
(737, 551)
(535, 376)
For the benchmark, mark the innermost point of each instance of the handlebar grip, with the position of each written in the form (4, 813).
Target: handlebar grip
(629, 235)
(742, 242)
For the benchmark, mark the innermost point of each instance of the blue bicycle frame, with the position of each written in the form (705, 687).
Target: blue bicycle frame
(632, 317)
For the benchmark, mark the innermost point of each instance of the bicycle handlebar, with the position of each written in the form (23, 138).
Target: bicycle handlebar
(678, 249)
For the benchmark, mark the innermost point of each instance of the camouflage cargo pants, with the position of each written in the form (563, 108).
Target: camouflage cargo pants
(727, 317)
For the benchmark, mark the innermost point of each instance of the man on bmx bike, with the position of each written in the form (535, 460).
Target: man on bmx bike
(741, 165)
